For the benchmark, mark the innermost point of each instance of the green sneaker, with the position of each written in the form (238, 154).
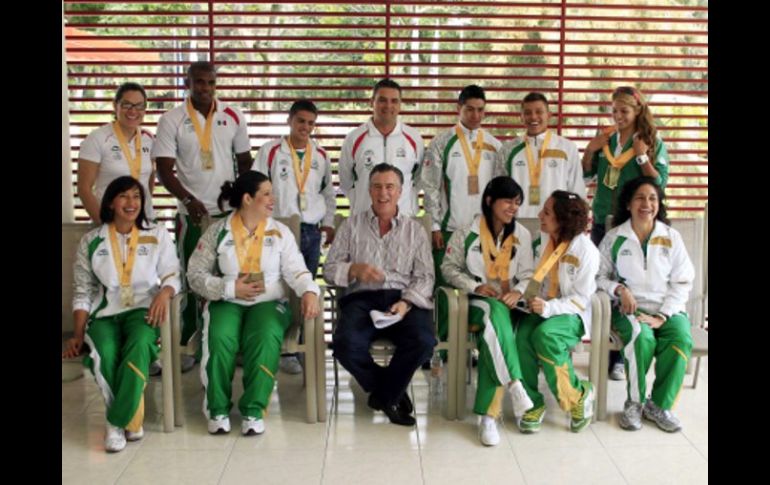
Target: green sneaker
(584, 409)
(532, 419)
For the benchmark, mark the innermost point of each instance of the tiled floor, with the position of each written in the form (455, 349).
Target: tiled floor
(358, 446)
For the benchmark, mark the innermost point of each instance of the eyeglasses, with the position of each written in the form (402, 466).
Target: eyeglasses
(125, 105)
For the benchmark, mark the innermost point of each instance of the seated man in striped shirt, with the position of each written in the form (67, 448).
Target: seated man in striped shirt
(383, 259)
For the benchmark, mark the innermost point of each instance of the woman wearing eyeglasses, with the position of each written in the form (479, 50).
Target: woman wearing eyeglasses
(118, 148)
(623, 152)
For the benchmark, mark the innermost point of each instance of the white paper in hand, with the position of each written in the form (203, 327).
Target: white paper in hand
(383, 320)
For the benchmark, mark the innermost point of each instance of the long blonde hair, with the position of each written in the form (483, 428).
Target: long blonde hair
(645, 124)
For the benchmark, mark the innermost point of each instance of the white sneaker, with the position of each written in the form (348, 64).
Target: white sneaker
(488, 431)
(114, 439)
(135, 435)
(521, 401)
(251, 426)
(290, 364)
(219, 424)
(618, 372)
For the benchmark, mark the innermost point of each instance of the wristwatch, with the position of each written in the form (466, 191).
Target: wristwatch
(642, 159)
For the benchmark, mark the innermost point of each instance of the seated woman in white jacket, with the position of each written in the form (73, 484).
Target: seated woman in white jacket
(646, 270)
(492, 260)
(559, 298)
(125, 275)
(238, 266)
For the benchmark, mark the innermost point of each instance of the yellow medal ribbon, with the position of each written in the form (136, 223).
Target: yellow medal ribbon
(204, 137)
(535, 168)
(612, 175)
(124, 270)
(548, 264)
(496, 261)
(471, 161)
(248, 247)
(135, 163)
(308, 159)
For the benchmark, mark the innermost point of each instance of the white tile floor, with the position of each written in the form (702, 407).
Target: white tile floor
(358, 446)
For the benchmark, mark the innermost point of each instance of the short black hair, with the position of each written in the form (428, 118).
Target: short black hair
(115, 188)
(302, 105)
(471, 92)
(535, 96)
(204, 66)
(386, 167)
(386, 83)
(129, 86)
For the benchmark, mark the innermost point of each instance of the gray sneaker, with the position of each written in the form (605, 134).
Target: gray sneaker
(290, 364)
(188, 362)
(631, 419)
(617, 372)
(664, 418)
(156, 368)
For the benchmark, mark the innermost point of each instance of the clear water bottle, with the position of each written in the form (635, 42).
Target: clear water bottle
(436, 365)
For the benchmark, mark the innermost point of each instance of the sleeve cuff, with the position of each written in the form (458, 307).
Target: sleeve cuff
(82, 306)
(341, 278)
(230, 290)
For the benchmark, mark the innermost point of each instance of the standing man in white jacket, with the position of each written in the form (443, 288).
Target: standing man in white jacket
(382, 139)
(540, 161)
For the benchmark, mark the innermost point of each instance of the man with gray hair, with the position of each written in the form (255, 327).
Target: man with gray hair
(383, 259)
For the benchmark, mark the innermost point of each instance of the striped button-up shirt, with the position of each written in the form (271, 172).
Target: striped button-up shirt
(403, 254)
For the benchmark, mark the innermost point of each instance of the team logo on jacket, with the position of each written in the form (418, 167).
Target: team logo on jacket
(314, 164)
(188, 125)
(664, 252)
(625, 252)
(571, 270)
(368, 159)
(229, 243)
(456, 154)
(552, 163)
(145, 150)
(400, 152)
(269, 241)
(142, 251)
(284, 173)
(519, 163)
(488, 156)
(476, 249)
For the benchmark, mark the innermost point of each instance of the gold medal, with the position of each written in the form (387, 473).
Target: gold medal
(533, 290)
(258, 277)
(611, 177)
(473, 184)
(534, 195)
(126, 296)
(207, 158)
(302, 202)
